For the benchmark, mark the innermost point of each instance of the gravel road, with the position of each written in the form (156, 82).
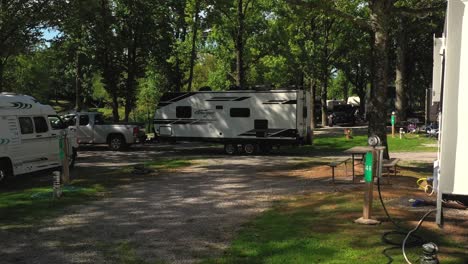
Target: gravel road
(178, 217)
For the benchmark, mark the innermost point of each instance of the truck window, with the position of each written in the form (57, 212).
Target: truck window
(40, 124)
(84, 120)
(240, 112)
(183, 111)
(26, 125)
(98, 120)
(56, 123)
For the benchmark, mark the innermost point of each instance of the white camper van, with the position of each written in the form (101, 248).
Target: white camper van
(245, 120)
(29, 133)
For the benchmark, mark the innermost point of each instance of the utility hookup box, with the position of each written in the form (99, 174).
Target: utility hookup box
(453, 155)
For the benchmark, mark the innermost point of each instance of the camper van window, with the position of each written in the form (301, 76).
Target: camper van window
(26, 125)
(183, 111)
(304, 111)
(41, 124)
(240, 112)
(56, 123)
(84, 120)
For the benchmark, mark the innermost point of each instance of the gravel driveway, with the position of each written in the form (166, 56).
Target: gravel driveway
(178, 217)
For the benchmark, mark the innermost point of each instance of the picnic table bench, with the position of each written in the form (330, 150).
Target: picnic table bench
(390, 165)
(337, 163)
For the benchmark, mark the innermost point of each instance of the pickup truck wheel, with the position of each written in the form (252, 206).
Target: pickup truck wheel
(116, 143)
(230, 149)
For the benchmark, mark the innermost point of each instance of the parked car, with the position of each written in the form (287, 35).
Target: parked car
(342, 114)
(29, 136)
(91, 128)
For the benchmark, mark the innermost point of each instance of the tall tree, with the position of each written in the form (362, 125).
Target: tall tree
(20, 23)
(380, 15)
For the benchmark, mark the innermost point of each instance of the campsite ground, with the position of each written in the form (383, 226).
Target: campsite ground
(200, 205)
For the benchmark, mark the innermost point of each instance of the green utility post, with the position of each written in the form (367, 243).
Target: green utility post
(393, 124)
(372, 161)
(63, 154)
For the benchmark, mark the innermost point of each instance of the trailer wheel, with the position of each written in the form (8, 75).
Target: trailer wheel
(249, 149)
(230, 149)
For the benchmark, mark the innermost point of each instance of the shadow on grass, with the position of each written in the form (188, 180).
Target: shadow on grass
(320, 229)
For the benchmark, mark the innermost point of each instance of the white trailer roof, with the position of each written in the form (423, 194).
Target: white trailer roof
(15, 104)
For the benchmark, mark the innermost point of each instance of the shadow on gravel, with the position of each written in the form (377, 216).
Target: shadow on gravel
(176, 217)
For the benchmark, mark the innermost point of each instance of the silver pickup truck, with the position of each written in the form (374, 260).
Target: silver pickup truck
(91, 129)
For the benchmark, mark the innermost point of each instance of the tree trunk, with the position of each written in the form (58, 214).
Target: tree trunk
(78, 101)
(345, 92)
(312, 104)
(378, 96)
(240, 78)
(401, 103)
(1, 76)
(193, 54)
(115, 105)
(323, 96)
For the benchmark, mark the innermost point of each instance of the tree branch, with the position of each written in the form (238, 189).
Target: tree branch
(407, 11)
(331, 10)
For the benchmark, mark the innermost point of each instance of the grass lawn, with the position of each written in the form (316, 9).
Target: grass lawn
(319, 228)
(335, 144)
(29, 201)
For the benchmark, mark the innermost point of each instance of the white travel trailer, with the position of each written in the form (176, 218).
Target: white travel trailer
(29, 134)
(450, 83)
(244, 120)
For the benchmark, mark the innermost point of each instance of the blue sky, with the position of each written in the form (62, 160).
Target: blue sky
(49, 33)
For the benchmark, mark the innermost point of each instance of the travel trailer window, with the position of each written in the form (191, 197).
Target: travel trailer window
(240, 112)
(26, 125)
(41, 124)
(84, 120)
(183, 111)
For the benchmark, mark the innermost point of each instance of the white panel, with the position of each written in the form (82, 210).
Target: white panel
(454, 143)
(460, 184)
(450, 96)
(437, 70)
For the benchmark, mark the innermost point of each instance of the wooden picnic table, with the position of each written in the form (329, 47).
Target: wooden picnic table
(359, 150)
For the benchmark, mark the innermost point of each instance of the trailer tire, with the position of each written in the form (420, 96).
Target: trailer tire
(230, 148)
(117, 142)
(249, 148)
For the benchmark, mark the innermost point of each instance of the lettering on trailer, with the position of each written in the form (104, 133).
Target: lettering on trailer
(16, 105)
(272, 132)
(183, 121)
(285, 101)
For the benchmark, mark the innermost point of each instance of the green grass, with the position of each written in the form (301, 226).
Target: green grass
(123, 252)
(320, 229)
(28, 204)
(335, 144)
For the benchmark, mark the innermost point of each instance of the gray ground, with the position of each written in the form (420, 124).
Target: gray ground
(176, 217)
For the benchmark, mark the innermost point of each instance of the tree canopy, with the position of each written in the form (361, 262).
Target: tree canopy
(122, 54)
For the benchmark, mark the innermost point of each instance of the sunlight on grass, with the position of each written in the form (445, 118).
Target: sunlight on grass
(167, 164)
(319, 229)
(335, 144)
